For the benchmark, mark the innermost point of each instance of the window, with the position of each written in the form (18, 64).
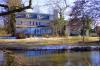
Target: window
(33, 23)
(18, 22)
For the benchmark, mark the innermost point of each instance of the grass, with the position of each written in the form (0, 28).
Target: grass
(79, 38)
(30, 42)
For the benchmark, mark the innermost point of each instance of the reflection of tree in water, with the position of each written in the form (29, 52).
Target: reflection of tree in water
(68, 59)
(77, 58)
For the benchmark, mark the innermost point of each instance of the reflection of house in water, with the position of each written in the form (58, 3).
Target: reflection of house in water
(74, 27)
(33, 23)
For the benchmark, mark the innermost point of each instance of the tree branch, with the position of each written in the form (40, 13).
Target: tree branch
(66, 3)
(2, 5)
(16, 10)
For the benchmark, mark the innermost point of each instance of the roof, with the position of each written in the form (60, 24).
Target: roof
(98, 24)
(74, 22)
(36, 16)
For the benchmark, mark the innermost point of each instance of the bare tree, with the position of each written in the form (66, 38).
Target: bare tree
(88, 11)
(15, 9)
(11, 7)
(59, 5)
(82, 11)
(59, 23)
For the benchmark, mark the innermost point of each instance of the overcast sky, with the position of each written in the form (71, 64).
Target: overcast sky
(43, 9)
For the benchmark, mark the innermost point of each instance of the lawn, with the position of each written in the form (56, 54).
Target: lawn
(46, 41)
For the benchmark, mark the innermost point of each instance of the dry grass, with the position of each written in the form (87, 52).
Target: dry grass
(49, 41)
(76, 39)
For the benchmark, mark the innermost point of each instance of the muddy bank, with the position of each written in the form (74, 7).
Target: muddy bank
(92, 43)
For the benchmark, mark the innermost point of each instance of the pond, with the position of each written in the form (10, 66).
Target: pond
(52, 56)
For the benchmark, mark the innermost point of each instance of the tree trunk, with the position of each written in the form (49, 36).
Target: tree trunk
(11, 25)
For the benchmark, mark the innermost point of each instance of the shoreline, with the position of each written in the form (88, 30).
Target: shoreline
(31, 43)
(52, 47)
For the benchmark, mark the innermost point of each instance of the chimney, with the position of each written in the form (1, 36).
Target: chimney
(55, 14)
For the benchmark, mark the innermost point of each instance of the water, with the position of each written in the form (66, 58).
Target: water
(54, 57)
(1, 58)
(71, 58)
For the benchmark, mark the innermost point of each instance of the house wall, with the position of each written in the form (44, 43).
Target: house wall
(75, 26)
(33, 23)
(68, 30)
(98, 30)
(74, 29)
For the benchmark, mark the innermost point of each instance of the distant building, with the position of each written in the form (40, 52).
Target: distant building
(98, 29)
(55, 14)
(74, 27)
(35, 24)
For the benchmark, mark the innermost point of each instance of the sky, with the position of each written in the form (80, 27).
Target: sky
(43, 9)
(46, 9)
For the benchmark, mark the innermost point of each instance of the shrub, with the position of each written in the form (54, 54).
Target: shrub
(20, 35)
(3, 32)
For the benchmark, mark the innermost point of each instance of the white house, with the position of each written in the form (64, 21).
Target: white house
(33, 23)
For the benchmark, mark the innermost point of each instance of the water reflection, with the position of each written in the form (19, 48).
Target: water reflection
(71, 58)
(38, 52)
(95, 58)
(55, 56)
(1, 58)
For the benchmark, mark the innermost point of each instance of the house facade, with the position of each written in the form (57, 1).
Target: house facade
(36, 24)
(74, 27)
(98, 29)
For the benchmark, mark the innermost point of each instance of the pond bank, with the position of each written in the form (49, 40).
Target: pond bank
(52, 47)
(38, 43)
(96, 43)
